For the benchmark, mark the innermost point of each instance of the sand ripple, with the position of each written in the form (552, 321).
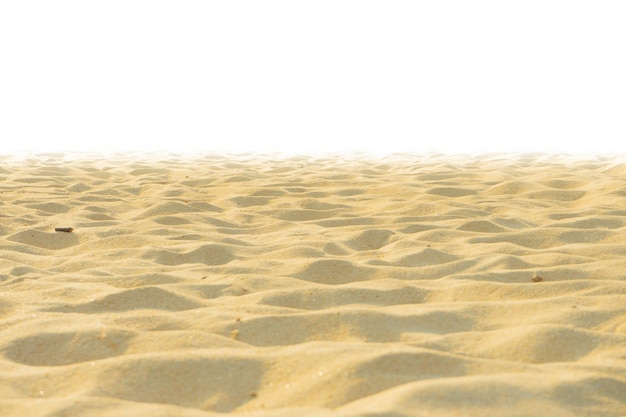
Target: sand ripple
(265, 286)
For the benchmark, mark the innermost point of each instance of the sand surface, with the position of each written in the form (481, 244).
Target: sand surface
(312, 286)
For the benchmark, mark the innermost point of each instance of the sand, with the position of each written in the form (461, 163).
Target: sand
(261, 285)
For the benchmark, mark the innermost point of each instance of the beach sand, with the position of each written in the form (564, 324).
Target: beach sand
(261, 285)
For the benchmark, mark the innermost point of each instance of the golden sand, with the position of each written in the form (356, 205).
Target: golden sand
(312, 286)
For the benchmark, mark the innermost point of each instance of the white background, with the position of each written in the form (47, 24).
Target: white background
(313, 76)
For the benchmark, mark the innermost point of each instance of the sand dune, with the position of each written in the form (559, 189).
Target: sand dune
(312, 286)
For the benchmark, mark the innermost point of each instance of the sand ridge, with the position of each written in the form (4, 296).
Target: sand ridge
(261, 285)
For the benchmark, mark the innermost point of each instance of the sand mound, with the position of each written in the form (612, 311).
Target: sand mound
(261, 286)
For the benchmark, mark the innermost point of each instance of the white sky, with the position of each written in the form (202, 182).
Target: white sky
(313, 76)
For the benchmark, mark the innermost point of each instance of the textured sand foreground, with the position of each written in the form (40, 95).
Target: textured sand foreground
(260, 286)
